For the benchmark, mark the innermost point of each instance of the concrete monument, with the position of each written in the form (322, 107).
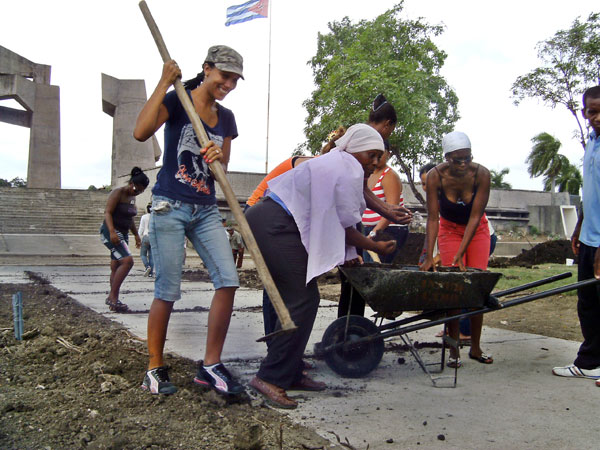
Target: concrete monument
(29, 84)
(123, 100)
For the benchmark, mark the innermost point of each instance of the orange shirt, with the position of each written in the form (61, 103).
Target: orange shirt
(262, 186)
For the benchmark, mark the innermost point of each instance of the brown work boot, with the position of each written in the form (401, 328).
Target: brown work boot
(273, 395)
(306, 383)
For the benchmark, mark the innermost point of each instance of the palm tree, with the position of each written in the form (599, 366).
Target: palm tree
(497, 179)
(569, 180)
(544, 158)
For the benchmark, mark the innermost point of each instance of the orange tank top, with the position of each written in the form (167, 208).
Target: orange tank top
(262, 186)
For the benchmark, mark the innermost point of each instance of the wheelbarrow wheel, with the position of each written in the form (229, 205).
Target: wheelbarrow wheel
(352, 360)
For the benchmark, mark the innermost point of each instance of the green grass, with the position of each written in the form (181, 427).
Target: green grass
(516, 276)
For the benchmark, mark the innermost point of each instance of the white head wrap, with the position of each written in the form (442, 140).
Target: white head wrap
(457, 140)
(359, 138)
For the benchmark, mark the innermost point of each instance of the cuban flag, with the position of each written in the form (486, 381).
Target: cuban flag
(254, 9)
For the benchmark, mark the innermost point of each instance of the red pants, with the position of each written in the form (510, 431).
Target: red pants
(450, 236)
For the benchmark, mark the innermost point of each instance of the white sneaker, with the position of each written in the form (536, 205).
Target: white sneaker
(575, 372)
(148, 270)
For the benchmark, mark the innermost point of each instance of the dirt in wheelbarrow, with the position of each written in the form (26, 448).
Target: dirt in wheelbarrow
(74, 383)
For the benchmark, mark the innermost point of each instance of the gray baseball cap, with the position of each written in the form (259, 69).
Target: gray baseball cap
(226, 59)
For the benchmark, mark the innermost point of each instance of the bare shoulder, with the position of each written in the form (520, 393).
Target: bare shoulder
(116, 193)
(392, 175)
(482, 172)
(439, 171)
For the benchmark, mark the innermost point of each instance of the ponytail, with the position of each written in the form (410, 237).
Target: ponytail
(139, 177)
(382, 111)
(197, 81)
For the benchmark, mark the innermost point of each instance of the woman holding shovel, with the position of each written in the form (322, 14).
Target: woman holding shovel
(302, 236)
(184, 205)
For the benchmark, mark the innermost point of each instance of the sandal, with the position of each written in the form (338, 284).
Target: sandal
(117, 306)
(483, 358)
(454, 363)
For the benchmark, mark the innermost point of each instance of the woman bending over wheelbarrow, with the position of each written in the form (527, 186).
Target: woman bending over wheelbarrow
(458, 190)
(305, 227)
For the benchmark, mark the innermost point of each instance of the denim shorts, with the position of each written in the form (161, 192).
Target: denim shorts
(119, 251)
(171, 221)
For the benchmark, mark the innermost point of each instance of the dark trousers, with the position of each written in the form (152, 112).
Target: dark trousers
(269, 315)
(588, 310)
(279, 241)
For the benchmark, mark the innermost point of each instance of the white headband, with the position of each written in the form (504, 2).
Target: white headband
(359, 138)
(456, 140)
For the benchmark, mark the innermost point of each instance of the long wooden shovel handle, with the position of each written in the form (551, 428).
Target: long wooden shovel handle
(282, 312)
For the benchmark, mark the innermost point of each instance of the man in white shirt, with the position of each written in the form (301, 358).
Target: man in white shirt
(145, 250)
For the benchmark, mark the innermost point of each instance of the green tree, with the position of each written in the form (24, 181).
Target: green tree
(545, 160)
(18, 182)
(497, 179)
(570, 65)
(568, 180)
(356, 61)
(4, 183)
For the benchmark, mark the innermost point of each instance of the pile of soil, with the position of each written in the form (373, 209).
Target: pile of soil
(74, 383)
(554, 251)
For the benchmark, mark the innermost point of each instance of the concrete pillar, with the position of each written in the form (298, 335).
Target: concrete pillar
(43, 170)
(123, 100)
(29, 84)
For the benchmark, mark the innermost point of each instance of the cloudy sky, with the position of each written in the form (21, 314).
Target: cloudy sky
(489, 44)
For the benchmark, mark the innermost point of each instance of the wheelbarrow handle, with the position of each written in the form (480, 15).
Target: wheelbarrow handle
(549, 292)
(523, 287)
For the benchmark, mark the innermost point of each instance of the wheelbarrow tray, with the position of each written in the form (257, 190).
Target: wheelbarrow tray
(390, 288)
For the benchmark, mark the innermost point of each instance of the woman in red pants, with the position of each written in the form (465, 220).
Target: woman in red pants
(458, 190)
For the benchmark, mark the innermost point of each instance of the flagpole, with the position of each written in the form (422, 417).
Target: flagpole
(270, 12)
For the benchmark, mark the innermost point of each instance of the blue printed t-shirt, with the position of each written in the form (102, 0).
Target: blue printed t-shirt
(590, 228)
(185, 176)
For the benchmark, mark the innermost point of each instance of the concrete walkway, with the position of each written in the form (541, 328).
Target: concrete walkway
(513, 404)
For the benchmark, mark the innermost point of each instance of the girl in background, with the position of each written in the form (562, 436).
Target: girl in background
(384, 182)
(114, 233)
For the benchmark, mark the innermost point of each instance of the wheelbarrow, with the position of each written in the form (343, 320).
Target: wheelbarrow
(353, 346)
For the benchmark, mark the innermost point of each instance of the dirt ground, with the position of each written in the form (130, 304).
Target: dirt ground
(74, 383)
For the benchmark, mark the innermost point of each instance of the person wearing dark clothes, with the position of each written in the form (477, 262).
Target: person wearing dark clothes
(585, 242)
(302, 236)
(114, 233)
